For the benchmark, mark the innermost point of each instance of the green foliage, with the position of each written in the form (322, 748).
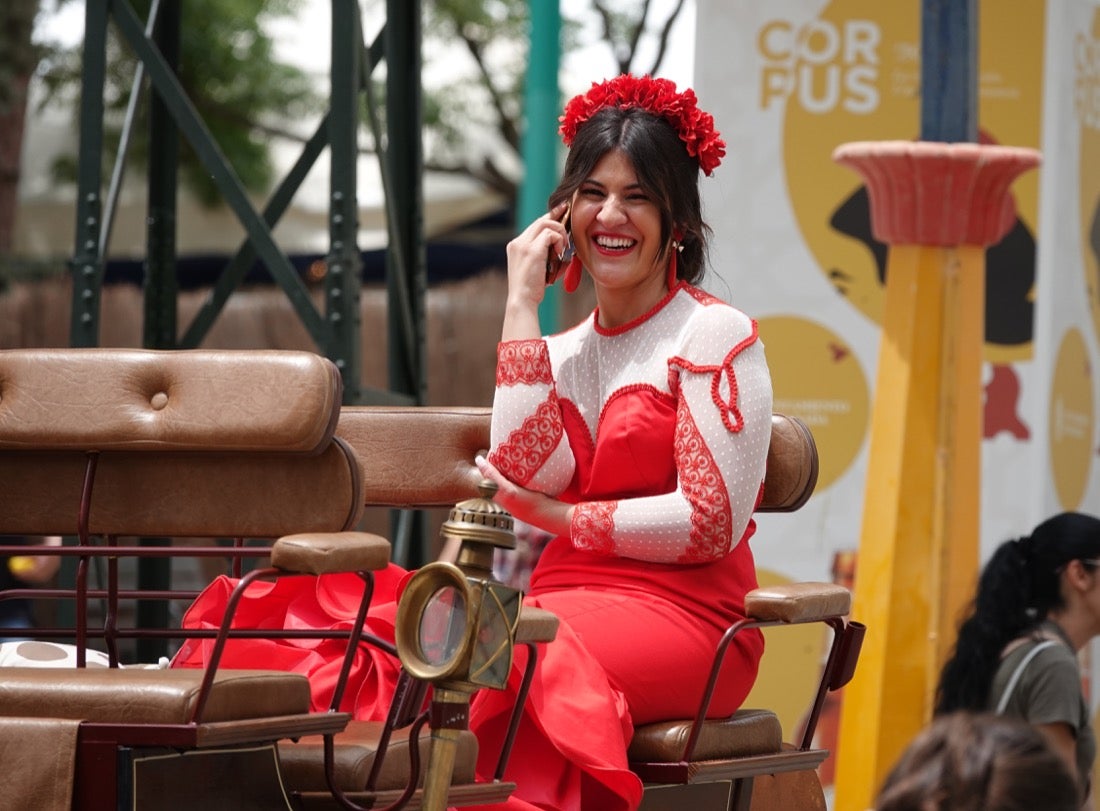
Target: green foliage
(475, 60)
(489, 91)
(229, 71)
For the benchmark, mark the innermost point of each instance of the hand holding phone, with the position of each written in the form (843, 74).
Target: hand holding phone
(556, 262)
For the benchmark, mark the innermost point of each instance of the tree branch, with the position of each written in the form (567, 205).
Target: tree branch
(666, 31)
(488, 174)
(277, 132)
(636, 35)
(605, 17)
(609, 34)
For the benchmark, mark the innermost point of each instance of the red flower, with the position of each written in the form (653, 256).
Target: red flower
(656, 96)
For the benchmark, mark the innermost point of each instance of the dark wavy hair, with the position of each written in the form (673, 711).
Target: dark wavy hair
(1018, 587)
(979, 762)
(666, 172)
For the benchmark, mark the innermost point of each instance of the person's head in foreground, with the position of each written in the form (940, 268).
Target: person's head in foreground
(979, 762)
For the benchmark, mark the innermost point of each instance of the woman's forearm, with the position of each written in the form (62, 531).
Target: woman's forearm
(521, 321)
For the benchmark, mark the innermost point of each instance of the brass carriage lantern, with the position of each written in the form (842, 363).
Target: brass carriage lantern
(456, 628)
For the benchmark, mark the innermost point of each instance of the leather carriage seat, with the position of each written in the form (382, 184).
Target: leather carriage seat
(747, 751)
(222, 444)
(210, 444)
(430, 452)
(111, 445)
(256, 444)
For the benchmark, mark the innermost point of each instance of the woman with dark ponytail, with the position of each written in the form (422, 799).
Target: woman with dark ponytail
(1037, 605)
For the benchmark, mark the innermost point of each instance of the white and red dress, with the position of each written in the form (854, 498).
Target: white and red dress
(658, 431)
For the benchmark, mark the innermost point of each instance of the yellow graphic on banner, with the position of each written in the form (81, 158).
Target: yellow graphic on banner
(854, 74)
(1072, 420)
(817, 378)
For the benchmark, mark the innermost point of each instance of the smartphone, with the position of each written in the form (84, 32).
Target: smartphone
(555, 262)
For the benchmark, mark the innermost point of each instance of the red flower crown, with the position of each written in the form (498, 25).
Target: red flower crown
(656, 96)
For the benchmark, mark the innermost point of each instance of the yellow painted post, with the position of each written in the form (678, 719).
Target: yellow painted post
(938, 206)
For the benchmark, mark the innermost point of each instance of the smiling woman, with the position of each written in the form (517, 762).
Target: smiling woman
(637, 439)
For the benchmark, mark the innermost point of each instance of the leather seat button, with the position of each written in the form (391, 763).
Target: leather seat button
(159, 401)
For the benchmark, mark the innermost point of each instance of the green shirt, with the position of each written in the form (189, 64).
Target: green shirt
(1049, 692)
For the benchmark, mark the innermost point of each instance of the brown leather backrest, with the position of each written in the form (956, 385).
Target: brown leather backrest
(423, 457)
(189, 443)
(416, 456)
(792, 466)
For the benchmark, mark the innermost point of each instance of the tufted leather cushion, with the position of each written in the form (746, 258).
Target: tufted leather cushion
(798, 602)
(423, 456)
(326, 552)
(191, 443)
(134, 696)
(303, 762)
(747, 732)
(112, 399)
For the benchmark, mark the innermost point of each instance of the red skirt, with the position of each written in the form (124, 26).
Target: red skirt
(619, 659)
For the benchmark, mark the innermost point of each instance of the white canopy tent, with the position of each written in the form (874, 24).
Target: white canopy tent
(45, 224)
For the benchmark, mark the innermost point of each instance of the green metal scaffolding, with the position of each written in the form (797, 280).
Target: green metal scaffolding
(336, 331)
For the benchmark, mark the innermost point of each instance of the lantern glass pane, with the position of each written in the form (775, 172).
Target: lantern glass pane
(442, 626)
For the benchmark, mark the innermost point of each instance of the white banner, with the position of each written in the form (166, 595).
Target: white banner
(790, 80)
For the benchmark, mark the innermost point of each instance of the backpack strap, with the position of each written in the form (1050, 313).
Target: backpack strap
(1014, 679)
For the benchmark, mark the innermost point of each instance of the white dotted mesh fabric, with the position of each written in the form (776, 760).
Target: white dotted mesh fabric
(690, 340)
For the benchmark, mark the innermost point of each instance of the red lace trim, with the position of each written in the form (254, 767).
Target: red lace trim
(730, 411)
(593, 526)
(529, 446)
(523, 362)
(701, 482)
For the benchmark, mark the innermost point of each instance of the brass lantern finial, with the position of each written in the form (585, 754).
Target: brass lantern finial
(480, 525)
(482, 519)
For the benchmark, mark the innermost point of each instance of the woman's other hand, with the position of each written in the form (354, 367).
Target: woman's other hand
(531, 507)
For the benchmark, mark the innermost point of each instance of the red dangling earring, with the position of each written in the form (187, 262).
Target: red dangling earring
(572, 278)
(676, 248)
